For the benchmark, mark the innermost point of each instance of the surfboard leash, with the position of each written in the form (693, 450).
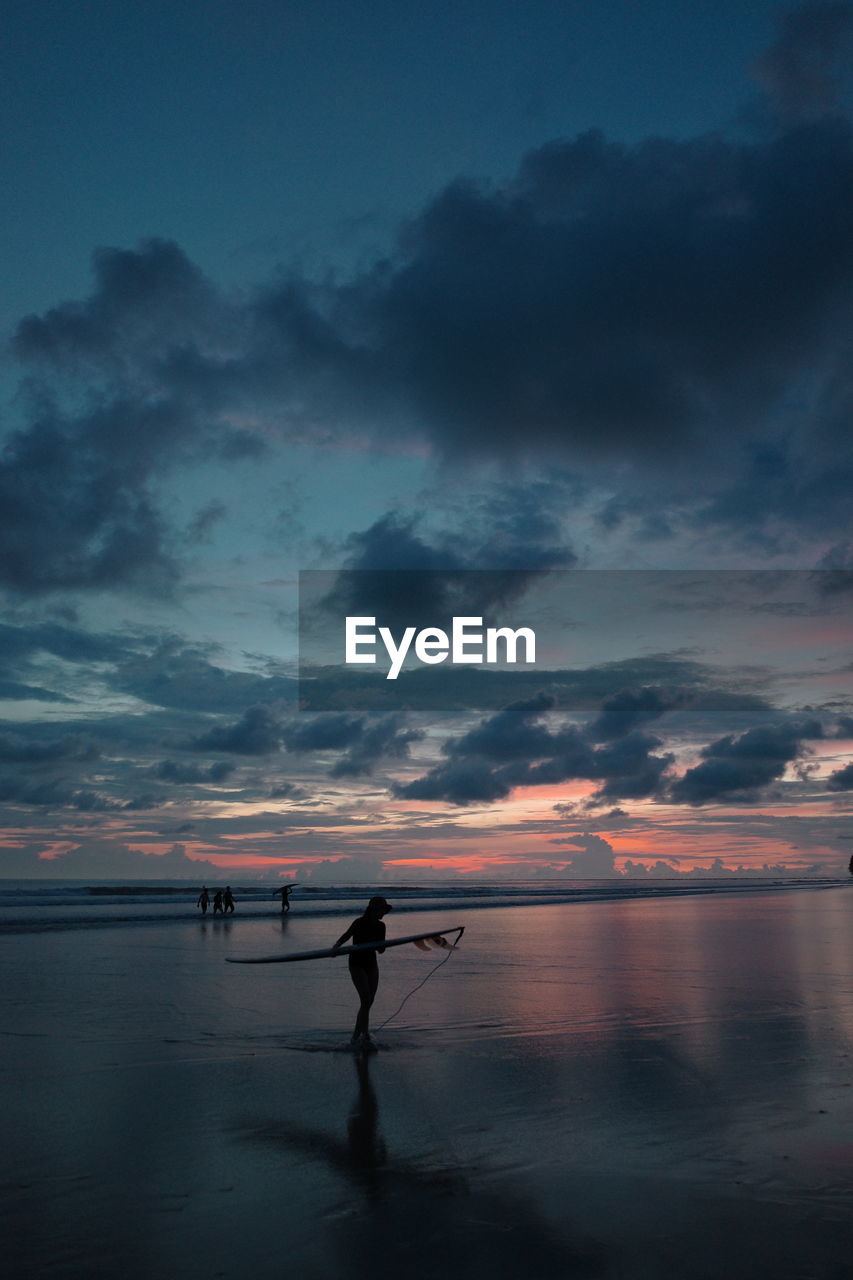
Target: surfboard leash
(459, 932)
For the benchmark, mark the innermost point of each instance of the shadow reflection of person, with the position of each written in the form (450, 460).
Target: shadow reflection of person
(415, 1212)
(367, 1150)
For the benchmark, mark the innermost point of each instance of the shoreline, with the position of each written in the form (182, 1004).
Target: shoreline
(256, 907)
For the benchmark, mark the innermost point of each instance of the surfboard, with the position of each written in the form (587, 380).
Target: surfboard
(328, 952)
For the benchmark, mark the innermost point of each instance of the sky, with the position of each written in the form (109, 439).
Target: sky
(538, 312)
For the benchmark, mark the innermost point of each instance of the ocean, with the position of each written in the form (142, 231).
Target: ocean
(70, 904)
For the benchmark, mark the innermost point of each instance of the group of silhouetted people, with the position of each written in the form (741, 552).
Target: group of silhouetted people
(223, 901)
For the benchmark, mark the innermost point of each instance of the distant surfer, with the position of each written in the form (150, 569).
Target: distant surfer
(227, 900)
(203, 901)
(850, 867)
(363, 965)
(217, 902)
(285, 897)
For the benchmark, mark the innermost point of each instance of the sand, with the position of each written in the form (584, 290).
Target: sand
(618, 1089)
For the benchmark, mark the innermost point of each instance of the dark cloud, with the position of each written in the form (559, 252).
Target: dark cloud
(146, 304)
(522, 746)
(20, 750)
(594, 858)
(841, 779)
(161, 669)
(383, 739)
(515, 748)
(509, 526)
(515, 733)
(287, 791)
(205, 521)
(626, 709)
(399, 573)
(25, 650)
(70, 643)
(106, 859)
(625, 769)
(171, 673)
(622, 300)
(323, 733)
(51, 772)
(258, 732)
(363, 740)
(177, 771)
(629, 769)
(110, 411)
(639, 869)
(649, 303)
(75, 509)
(517, 525)
(738, 767)
(57, 793)
(803, 70)
(646, 303)
(462, 780)
(659, 304)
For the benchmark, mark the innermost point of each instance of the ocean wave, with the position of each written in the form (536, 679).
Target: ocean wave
(27, 906)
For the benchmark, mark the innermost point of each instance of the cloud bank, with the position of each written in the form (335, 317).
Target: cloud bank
(680, 307)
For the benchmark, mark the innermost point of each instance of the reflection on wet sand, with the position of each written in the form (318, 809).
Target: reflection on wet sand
(651, 1093)
(402, 1211)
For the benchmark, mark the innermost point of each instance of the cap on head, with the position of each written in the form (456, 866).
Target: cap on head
(379, 904)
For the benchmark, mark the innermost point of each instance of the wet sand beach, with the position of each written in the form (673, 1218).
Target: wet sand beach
(634, 1089)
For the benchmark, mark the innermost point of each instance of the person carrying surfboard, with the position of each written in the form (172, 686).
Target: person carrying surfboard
(363, 965)
(285, 896)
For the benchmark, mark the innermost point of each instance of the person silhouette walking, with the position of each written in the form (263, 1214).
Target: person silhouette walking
(363, 965)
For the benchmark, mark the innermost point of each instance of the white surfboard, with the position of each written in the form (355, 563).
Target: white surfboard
(436, 936)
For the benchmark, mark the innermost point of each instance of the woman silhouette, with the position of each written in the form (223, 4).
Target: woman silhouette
(363, 965)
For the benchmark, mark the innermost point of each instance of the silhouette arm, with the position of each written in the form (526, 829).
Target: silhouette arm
(344, 937)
